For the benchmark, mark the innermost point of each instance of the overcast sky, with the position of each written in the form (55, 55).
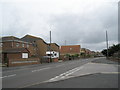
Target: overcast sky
(79, 22)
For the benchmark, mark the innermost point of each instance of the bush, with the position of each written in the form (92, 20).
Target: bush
(67, 55)
(76, 55)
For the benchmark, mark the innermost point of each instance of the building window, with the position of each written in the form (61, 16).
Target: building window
(17, 44)
(34, 49)
(24, 55)
(70, 48)
(27, 45)
(23, 45)
(1, 44)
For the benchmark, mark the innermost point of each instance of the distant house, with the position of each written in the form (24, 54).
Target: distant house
(83, 52)
(69, 49)
(88, 52)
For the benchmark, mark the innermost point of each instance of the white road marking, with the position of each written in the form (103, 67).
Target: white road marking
(40, 69)
(63, 75)
(110, 72)
(72, 63)
(15, 70)
(74, 71)
(59, 65)
(8, 76)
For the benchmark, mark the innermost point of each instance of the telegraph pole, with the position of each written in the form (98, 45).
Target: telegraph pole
(107, 43)
(50, 47)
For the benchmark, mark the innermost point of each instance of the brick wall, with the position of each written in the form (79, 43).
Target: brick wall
(42, 47)
(21, 62)
(55, 59)
(54, 47)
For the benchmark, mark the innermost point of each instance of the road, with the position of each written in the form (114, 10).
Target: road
(42, 75)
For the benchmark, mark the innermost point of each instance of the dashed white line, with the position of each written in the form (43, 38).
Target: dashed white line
(8, 76)
(40, 69)
(59, 65)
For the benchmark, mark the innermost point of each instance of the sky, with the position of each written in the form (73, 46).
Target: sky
(72, 22)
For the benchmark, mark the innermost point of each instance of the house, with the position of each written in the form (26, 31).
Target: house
(42, 47)
(15, 53)
(14, 49)
(70, 50)
(86, 52)
(39, 43)
(14, 42)
(83, 52)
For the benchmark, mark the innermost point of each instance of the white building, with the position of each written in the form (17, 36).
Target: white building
(54, 54)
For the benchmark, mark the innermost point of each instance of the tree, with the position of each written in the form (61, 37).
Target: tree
(111, 50)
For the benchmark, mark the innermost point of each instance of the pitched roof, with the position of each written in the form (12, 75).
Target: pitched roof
(70, 45)
(11, 38)
(15, 50)
(30, 38)
(53, 44)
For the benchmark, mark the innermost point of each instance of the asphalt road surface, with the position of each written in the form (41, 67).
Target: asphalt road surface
(74, 73)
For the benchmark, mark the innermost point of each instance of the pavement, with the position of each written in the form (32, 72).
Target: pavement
(74, 73)
(105, 61)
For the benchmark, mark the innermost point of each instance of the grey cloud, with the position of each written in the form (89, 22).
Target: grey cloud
(77, 28)
(87, 28)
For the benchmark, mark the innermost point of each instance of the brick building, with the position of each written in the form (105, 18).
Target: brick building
(41, 46)
(87, 53)
(39, 43)
(11, 42)
(13, 48)
(54, 47)
(69, 49)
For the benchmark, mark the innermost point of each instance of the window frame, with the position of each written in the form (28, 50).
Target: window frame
(17, 44)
